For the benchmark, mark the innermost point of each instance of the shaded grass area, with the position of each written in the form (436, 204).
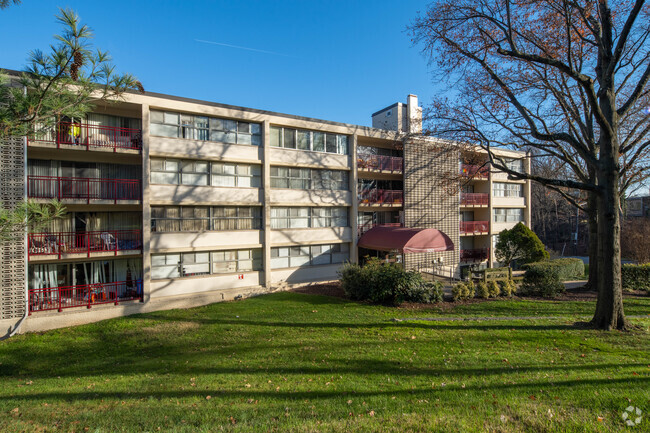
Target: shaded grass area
(296, 362)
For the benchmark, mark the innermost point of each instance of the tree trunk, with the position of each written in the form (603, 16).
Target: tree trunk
(609, 307)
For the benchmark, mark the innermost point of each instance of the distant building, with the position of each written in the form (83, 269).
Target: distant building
(637, 207)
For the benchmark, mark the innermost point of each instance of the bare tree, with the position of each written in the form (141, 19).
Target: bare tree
(569, 79)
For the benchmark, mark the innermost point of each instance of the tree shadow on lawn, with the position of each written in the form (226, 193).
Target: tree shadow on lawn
(458, 389)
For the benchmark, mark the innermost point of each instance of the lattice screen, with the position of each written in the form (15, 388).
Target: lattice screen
(432, 200)
(12, 251)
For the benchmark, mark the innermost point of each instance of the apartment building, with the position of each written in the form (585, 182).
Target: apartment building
(175, 202)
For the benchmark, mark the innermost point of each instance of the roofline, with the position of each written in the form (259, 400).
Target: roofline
(384, 109)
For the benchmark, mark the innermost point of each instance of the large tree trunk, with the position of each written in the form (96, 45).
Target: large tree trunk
(609, 307)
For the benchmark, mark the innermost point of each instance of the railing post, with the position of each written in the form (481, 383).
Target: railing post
(58, 292)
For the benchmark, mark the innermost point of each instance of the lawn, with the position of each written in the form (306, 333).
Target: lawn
(298, 362)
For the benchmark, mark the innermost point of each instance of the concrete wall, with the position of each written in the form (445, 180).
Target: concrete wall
(305, 274)
(204, 195)
(197, 241)
(310, 236)
(203, 283)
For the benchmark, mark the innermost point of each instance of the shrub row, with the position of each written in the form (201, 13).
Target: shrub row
(567, 268)
(636, 277)
(462, 291)
(387, 283)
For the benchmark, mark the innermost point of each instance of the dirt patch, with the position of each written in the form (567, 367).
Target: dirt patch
(326, 289)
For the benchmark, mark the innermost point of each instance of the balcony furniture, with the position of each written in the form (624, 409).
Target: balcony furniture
(87, 295)
(41, 244)
(92, 136)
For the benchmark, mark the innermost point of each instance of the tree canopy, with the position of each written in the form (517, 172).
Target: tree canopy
(519, 243)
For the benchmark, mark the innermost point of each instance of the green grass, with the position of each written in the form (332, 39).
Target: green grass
(293, 362)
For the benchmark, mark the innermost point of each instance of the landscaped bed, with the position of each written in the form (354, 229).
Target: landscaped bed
(301, 362)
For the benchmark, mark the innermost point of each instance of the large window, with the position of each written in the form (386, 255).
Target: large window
(308, 255)
(176, 265)
(307, 178)
(201, 218)
(177, 125)
(502, 215)
(305, 217)
(191, 172)
(515, 164)
(309, 140)
(502, 189)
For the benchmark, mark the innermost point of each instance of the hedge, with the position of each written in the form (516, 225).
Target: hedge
(636, 277)
(542, 281)
(566, 268)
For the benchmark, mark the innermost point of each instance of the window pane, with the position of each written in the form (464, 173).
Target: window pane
(164, 130)
(275, 136)
(303, 140)
(319, 142)
(331, 145)
(343, 144)
(164, 178)
(289, 138)
(171, 118)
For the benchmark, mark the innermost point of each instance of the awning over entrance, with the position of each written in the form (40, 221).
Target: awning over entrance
(405, 240)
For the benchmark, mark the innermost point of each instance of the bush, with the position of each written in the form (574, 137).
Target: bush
(636, 277)
(493, 289)
(471, 289)
(482, 290)
(460, 292)
(387, 283)
(521, 244)
(542, 281)
(508, 288)
(567, 268)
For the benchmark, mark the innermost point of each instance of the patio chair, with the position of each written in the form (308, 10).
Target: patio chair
(109, 241)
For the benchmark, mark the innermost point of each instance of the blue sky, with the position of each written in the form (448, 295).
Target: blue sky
(334, 60)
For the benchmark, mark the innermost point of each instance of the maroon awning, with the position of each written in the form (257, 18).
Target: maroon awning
(405, 240)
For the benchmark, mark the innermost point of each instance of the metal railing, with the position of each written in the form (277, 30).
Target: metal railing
(474, 199)
(83, 188)
(58, 298)
(85, 135)
(381, 197)
(393, 164)
(478, 254)
(474, 171)
(474, 227)
(45, 244)
(365, 227)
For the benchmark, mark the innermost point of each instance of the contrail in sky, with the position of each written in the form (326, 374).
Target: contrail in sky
(242, 48)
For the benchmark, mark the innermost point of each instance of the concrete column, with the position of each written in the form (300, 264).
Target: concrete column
(146, 208)
(528, 194)
(354, 209)
(266, 206)
(491, 218)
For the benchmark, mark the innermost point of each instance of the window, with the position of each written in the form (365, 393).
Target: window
(514, 164)
(508, 215)
(195, 127)
(309, 140)
(191, 172)
(296, 256)
(502, 189)
(165, 219)
(190, 264)
(305, 178)
(236, 218)
(304, 217)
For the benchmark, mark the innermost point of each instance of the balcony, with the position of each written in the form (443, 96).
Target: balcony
(58, 298)
(381, 197)
(391, 164)
(474, 199)
(474, 255)
(365, 227)
(474, 171)
(474, 227)
(82, 135)
(78, 188)
(84, 243)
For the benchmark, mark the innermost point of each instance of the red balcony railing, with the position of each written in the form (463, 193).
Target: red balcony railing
(47, 244)
(381, 197)
(83, 188)
(474, 171)
(474, 199)
(58, 298)
(394, 164)
(82, 134)
(474, 255)
(474, 227)
(365, 227)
